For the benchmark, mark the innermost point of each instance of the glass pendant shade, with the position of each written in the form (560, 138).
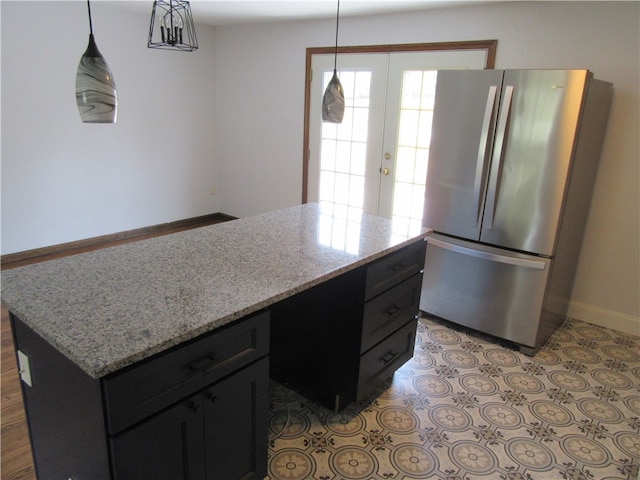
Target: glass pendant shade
(333, 101)
(172, 26)
(95, 87)
(333, 98)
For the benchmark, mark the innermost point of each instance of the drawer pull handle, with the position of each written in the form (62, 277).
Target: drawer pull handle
(397, 267)
(388, 357)
(392, 310)
(201, 364)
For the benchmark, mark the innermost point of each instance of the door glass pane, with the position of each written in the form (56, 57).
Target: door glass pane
(414, 136)
(344, 148)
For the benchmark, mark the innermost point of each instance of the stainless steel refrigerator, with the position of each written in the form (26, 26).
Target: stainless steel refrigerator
(512, 164)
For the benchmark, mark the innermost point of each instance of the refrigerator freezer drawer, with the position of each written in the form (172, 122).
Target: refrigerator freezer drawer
(488, 289)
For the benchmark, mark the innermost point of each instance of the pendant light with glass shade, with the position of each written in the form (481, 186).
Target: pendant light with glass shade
(333, 98)
(96, 94)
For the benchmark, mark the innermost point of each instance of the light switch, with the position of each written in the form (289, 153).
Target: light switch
(23, 368)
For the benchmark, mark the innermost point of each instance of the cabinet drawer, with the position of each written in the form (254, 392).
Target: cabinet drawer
(394, 268)
(134, 394)
(387, 312)
(381, 361)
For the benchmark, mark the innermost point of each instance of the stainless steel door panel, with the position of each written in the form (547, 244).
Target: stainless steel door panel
(488, 289)
(461, 142)
(531, 160)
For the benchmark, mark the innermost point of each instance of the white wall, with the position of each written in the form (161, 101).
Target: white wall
(260, 130)
(63, 180)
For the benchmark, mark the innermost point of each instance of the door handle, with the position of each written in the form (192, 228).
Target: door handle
(484, 148)
(496, 165)
(211, 397)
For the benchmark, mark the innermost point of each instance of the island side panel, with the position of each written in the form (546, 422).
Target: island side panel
(315, 340)
(64, 412)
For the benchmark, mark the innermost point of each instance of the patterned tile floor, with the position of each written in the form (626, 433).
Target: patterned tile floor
(467, 408)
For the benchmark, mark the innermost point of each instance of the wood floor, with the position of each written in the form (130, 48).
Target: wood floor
(16, 459)
(17, 462)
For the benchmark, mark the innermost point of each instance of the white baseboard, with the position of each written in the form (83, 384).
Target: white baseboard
(605, 318)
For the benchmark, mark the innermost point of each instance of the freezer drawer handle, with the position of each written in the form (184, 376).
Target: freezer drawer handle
(493, 257)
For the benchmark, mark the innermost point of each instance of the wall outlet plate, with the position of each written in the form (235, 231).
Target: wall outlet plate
(24, 368)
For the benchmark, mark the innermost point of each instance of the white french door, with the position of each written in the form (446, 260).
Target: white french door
(375, 161)
(344, 161)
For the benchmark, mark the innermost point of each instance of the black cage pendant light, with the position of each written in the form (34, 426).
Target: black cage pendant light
(172, 26)
(333, 99)
(95, 87)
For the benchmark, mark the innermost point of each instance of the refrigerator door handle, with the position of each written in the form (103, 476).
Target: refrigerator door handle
(492, 257)
(496, 170)
(483, 152)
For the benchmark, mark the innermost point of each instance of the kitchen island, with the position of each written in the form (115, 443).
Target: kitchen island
(152, 358)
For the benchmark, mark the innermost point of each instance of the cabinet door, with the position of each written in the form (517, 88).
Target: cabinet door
(169, 445)
(235, 412)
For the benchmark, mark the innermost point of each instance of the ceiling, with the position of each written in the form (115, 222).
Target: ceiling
(228, 12)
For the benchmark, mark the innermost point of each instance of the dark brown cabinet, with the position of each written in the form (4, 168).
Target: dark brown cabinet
(198, 438)
(350, 334)
(198, 411)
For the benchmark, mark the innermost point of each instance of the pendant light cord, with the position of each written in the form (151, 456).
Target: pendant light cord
(90, 24)
(335, 57)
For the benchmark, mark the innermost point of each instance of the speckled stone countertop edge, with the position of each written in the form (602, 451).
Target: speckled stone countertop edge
(104, 362)
(98, 370)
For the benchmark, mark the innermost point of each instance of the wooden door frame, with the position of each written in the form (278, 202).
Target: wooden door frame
(490, 46)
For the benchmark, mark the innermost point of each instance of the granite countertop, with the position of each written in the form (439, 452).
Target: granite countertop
(110, 308)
